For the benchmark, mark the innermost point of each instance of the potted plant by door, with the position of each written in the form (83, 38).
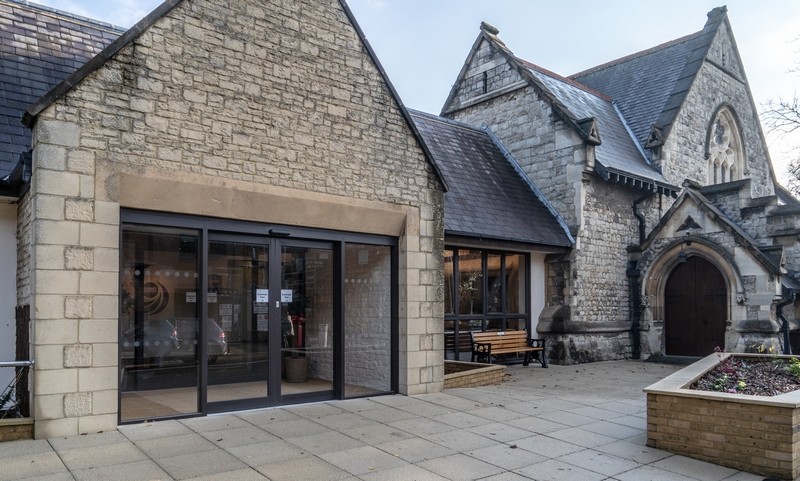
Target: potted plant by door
(296, 363)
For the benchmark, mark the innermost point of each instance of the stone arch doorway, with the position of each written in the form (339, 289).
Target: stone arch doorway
(695, 309)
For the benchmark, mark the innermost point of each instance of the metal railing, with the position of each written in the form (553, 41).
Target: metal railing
(15, 398)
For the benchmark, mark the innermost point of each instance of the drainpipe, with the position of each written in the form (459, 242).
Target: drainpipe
(787, 346)
(633, 282)
(636, 311)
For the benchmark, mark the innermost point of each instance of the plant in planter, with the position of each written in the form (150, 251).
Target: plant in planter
(765, 375)
(750, 432)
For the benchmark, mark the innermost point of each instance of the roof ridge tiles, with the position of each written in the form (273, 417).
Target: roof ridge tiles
(445, 120)
(61, 14)
(566, 80)
(635, 55)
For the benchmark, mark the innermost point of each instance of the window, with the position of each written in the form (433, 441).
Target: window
(725, 153)
(484, 290)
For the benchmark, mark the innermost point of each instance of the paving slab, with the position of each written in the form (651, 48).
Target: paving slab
(568, 423)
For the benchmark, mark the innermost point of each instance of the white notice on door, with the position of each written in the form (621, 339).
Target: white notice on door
(262, 295)
(286, 295)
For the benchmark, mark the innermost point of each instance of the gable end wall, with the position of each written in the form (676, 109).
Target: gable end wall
(274, 102)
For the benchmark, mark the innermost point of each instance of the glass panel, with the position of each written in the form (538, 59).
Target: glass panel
(306, 319)
(448, 282)
(238, 321)
(368, 319)
(518, 325)
(470, 285)
(516, 273)
(495, 325)
(159, 285)
(495, 276)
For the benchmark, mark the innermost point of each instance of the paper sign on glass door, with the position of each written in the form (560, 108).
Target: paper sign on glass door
(262, 295)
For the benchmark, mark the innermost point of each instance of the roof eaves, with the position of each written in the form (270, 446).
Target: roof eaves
(403, 110)
(611, 174)
(29, 118)
(518, 169)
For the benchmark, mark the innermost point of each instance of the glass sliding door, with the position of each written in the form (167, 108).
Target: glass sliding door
(238, 321)
(307, 318)
(159, 320)
(219, 315)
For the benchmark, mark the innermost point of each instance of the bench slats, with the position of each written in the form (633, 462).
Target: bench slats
(491, 343)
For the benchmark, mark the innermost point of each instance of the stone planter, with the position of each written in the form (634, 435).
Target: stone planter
(757, 434)
(16, 429)
(472, 374)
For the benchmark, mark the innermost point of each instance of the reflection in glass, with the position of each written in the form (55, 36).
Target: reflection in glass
(494, 272)
(368, 318)
(448, 282)
(306, 299)
(470, 286)
(515, 283)
(159, 318)
(238, 313)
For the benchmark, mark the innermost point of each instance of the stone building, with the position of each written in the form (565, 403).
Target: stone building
(224, 194)
(499, 229)
(34, 60)
(235, 196)
(684, 241)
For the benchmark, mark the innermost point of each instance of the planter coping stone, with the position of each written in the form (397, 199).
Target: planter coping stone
(677, 384)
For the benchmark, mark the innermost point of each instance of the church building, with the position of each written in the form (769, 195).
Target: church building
(228, 207)
(684, 241)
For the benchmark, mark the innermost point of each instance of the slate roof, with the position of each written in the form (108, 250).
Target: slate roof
(617, 152)
(488, 196)
(39, 47)
(620, 101)
(649, 87)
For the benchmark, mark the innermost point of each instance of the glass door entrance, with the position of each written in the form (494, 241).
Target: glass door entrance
(270, 305)
(216, 316)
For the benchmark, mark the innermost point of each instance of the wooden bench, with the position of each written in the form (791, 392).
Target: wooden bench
(496, 343)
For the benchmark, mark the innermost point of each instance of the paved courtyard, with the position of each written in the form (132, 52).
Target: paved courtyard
(572, 423)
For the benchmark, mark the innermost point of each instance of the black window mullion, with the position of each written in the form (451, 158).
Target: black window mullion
(202, 342)
(485, 287)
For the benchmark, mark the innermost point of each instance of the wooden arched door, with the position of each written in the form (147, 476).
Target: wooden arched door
(695, 309)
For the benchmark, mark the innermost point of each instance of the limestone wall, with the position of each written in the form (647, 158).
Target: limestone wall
(720, 82)
(264, 111)
(591, 304)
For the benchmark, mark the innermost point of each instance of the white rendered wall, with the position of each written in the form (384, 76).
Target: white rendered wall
(8, 290)
(538, 288)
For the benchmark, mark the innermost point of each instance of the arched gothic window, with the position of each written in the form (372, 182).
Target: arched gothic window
(725, 153)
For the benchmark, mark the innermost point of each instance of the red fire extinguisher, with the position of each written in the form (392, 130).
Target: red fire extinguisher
(299, 331)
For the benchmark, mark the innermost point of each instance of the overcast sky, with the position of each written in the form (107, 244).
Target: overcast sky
(422, 44)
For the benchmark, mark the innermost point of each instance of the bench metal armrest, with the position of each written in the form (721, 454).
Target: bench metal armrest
(537, 343)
